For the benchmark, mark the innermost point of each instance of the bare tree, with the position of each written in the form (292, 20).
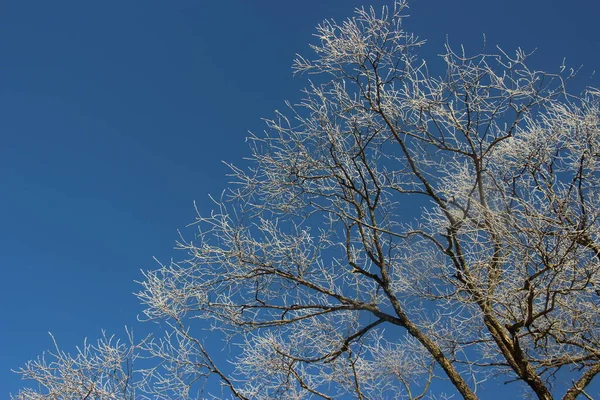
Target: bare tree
(101, 371)
(397, 228)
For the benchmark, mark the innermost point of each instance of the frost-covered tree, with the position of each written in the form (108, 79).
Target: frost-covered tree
(101, 371)
(394, 229)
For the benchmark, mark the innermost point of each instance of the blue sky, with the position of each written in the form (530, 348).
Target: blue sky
(115, 116)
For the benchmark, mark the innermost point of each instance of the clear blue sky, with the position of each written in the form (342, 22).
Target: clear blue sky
(115, 116)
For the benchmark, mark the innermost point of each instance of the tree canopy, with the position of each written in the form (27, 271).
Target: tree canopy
(393, 229)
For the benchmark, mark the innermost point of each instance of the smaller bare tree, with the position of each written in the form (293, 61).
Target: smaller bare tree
(101, 371)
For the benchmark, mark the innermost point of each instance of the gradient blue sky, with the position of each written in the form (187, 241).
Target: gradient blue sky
(115, 116)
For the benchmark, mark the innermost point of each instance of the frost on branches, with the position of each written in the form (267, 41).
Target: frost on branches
(396, 229)
(101, 371)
